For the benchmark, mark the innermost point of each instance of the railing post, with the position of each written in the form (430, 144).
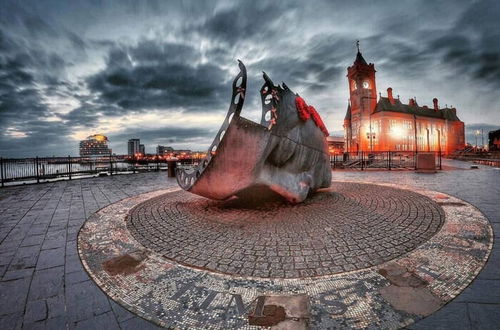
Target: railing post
(389, 159)
(157, 163)
(440, 168)
(1, 171)
(37, 170)
(110, 165)
(362, 161)
(69, 166)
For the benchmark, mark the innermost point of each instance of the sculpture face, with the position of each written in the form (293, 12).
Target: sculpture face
(286, 154)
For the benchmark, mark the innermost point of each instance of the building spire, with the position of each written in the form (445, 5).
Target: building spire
(359, 57)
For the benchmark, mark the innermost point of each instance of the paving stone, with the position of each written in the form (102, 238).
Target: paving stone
(6, 257)
(51, 258)
(47, 283)
(492, 269)
(485, 316)
(35, 311)
(71, 248)
(13, 295)
(17, 274)
(56, 323)
(25, 257)
(84, 300)
(3, 269)
(56, 306)
(454, 316)
(34, 326)
(54, 243)
(11, 321)
(103, 321)
(121, 313)
(9, 246)
(138, 323)
(73, 264)
(76, 277)
(33, 240)
(481, 291)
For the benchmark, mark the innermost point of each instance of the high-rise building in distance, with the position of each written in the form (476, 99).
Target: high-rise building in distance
(94, 146)
(142, 149)
(133, 147)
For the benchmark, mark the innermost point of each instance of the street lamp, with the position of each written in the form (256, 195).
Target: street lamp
(476, 134)
(370, 119)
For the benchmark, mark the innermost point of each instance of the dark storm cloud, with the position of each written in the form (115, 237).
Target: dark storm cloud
(20, 71)
(28, 74)
(241, 22)
(157, 75)
(42, 139)
(469, 47)
(117, 58)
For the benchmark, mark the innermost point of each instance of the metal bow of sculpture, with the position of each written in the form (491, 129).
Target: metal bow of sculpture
(286, 154)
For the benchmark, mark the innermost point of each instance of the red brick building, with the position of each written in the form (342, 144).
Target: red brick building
(385, 123)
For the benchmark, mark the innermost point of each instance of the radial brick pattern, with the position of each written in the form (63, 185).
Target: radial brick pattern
(349, 227)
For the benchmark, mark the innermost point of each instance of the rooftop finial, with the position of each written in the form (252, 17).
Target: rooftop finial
(357, 45)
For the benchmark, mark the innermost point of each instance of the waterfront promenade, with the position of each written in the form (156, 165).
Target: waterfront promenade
(43, 284)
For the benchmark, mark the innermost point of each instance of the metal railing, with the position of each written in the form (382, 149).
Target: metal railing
(364, 160)
(45, 169)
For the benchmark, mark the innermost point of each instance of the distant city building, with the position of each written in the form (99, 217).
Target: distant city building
(133, 147)
(335, 145)
(184, 152)
(386, 123)
(142, 149)
(494, 140)
(163, 150)
(94, 146)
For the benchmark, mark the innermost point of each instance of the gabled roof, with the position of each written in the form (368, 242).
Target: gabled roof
(445, 113)
(348, 113)
(360, 59)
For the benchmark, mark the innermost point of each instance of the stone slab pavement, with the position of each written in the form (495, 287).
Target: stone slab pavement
(43, 284)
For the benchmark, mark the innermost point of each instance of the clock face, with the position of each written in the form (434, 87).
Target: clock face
(366, 84)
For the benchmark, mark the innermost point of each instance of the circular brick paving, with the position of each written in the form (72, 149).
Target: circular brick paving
(348, 227)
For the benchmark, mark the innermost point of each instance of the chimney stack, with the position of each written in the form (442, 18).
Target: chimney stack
(389, 95)
(436, 106)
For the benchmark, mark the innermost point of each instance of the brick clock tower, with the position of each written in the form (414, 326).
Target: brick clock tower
(362, 103)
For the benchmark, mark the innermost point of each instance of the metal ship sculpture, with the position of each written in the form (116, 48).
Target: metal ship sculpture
(286, 154)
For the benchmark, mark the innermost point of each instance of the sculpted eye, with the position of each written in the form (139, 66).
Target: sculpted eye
(268, 99)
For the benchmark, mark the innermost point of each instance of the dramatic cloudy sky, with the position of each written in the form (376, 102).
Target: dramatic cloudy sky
(161, 70)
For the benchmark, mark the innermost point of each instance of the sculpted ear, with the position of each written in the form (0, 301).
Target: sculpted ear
(187, 180)
(268, 104)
